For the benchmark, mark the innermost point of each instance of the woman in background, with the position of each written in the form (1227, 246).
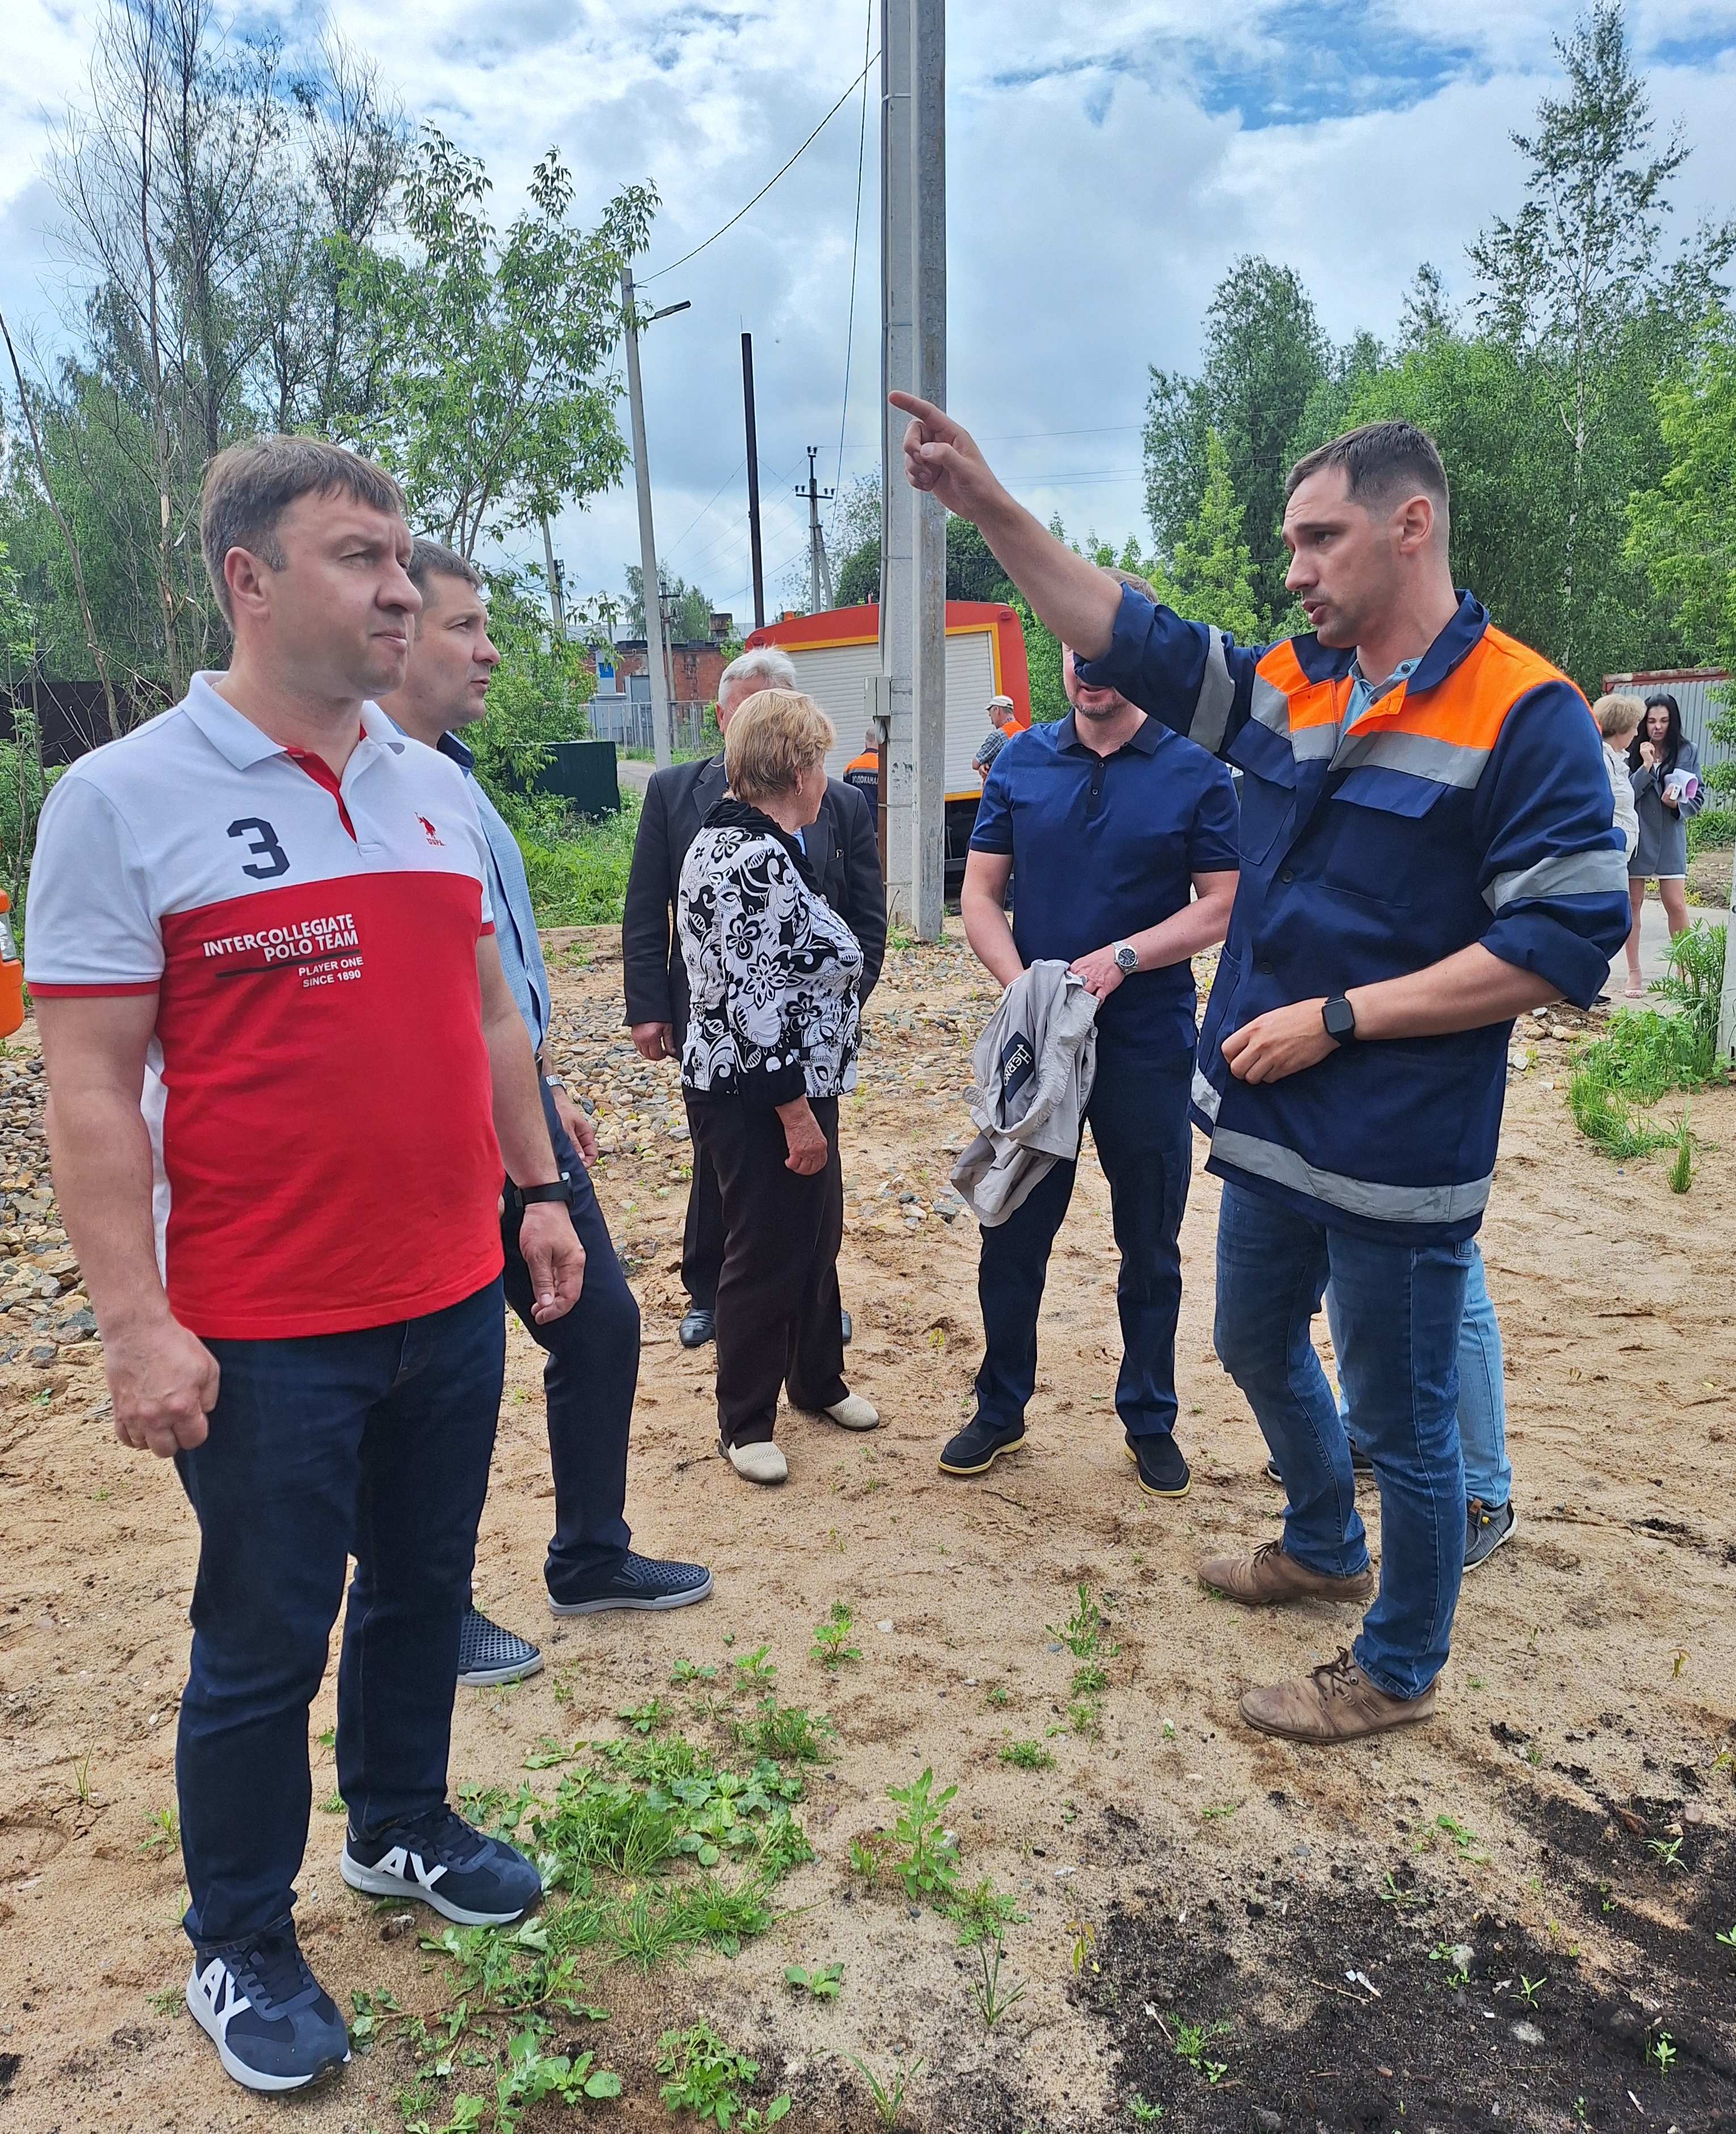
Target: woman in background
(772, 1034)
(1664, 770)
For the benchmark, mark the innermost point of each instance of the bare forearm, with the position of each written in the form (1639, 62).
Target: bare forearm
(101, 1154)
(1463, 991)
(518, 1123)
(1200, 924)
(989, 935)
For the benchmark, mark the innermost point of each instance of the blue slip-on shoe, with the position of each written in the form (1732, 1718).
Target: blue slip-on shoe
(487, 1654)
(642, 1581)
(1162, 1466)
(478, 1881)
(274, 2025)
(974, 1449)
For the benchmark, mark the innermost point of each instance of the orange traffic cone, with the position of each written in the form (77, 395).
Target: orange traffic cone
(12, 974)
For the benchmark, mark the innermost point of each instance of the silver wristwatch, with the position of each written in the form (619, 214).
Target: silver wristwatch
(1127, 957)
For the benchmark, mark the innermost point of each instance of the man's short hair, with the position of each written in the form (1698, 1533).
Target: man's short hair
(1381, 461)
(1138, 584)
(248, 487)
(773, 738)
(434, 559)
(1617, 714)
(770, 669)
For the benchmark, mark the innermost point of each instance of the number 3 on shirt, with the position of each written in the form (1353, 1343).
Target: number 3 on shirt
(264, 847)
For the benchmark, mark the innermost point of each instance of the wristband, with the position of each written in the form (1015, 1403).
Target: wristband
(557, 1189)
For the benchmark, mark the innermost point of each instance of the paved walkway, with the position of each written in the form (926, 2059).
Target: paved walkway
(1654, 946)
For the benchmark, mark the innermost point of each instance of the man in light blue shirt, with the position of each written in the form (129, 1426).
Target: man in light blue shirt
(592, 1368)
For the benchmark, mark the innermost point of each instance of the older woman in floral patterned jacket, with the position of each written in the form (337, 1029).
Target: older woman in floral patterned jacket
(773, 973)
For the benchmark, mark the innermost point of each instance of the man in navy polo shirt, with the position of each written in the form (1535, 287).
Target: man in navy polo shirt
(1122, 839)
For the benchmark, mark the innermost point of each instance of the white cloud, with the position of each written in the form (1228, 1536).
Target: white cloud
(1104, 170)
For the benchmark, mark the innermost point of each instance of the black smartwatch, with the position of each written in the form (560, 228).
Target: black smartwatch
(557, 1189)
(1340, 1019)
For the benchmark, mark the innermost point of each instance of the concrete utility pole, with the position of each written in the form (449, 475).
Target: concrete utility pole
(929, 693)
(911, 698)
(819, 570)
(753, 482)
(651, 586)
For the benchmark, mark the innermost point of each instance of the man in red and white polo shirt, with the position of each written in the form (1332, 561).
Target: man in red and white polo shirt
(284, 1068)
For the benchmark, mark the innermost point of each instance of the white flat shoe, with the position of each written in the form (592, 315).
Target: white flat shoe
(756, 1463)
(854, 1412)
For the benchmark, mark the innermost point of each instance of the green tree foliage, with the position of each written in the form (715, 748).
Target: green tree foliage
(686, 609)
(494, 405)
(200, 204)
(23, 782)
(1265, 356)
(1211, 569)
(1575, 290)
(1684, 531)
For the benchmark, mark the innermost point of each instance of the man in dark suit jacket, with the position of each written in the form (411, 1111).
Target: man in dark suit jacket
(844, 849)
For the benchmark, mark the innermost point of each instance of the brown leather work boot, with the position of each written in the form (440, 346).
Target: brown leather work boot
(1337, 1702)
(1269, 1575)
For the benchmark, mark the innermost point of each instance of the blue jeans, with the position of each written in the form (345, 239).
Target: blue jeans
(588, 1382)
(1138, 1119)
(1399, 1312)
(1482, 1403)
(374, 1445)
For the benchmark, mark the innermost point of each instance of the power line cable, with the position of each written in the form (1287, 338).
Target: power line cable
(763, 189)
(849, 337)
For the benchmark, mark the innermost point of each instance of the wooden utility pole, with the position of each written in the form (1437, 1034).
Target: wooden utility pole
(753, 482)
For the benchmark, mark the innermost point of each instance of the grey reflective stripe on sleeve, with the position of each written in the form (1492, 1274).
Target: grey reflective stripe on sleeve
(1446, 762)
(1567, 873)
(1217, 694)
(1270, 706)
(1356, 1196)
(1205, 1097)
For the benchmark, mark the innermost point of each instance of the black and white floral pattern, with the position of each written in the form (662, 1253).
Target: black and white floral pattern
(772, 970)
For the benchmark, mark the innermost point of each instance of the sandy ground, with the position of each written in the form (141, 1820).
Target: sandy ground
(1594, 1661)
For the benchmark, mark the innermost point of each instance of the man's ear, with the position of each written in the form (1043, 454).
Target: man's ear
(1414, 523)
(248, 580)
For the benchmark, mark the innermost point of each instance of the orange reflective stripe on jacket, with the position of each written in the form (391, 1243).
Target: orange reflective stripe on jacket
(1445, 734)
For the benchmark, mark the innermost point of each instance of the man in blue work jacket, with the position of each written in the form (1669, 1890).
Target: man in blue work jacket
(592, 1368)
(1426, 849)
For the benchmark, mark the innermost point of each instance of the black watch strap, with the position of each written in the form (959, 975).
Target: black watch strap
(557, 1189)
(1340, 1019)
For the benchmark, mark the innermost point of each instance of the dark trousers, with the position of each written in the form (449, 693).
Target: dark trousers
(777, 1290)
(702, 1240)
(588, 1380)
(374, 1445)
(1138, 1120)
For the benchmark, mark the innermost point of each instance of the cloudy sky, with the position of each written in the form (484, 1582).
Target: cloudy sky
(1105, 166)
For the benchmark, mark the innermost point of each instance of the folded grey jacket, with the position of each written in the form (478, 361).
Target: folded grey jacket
(1034, 1066)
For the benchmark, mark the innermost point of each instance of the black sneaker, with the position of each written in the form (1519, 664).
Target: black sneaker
(1163, 1469)
(698, 1327)
(479, 1881)
(642, 1581)
(977, 1448)
(845, 1327)
(274, 2025)
(1360, 1462)
(1487, 1527)
(1273, 1473)
(488, 1654)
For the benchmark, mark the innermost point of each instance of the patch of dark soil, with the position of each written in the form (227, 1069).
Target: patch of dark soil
(1332, 2009)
